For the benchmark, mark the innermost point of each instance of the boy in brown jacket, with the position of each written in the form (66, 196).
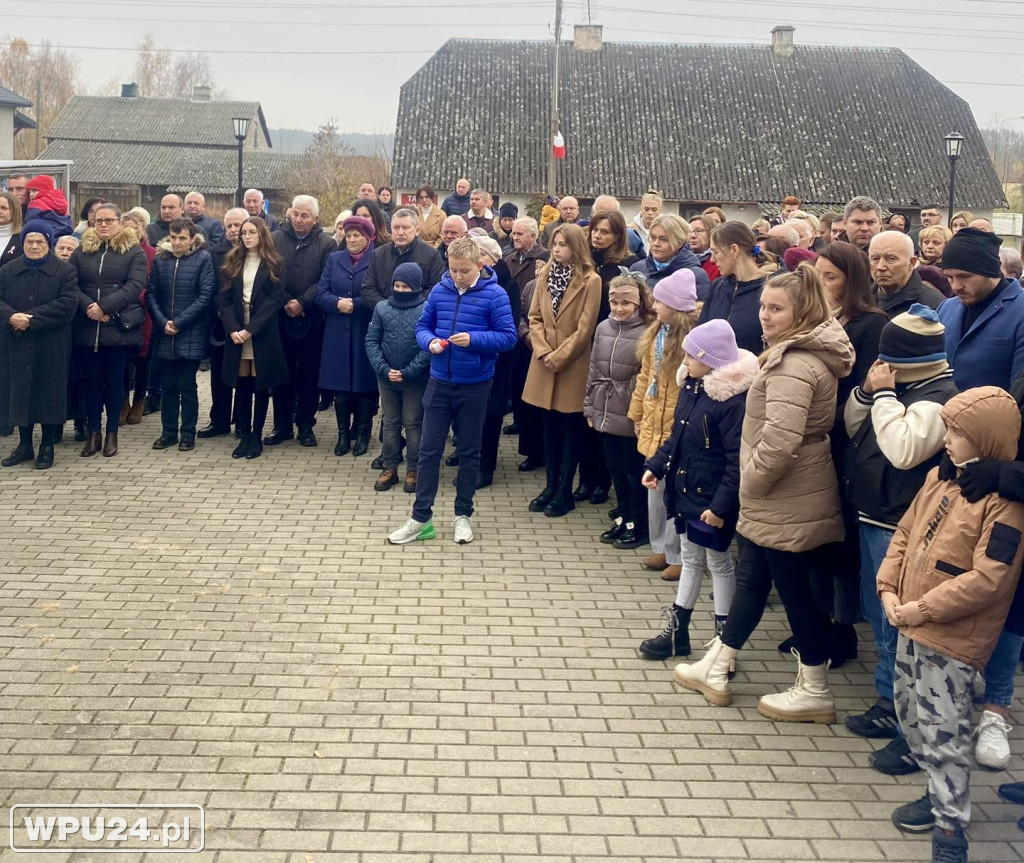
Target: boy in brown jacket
(946, 583)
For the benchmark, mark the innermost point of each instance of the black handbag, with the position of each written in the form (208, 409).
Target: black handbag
(130, 318)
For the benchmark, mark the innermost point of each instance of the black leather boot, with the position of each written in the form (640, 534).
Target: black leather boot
(343, 414)
(44, 461)
(674, 640)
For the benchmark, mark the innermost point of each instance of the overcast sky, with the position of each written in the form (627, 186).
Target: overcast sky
(308, 61)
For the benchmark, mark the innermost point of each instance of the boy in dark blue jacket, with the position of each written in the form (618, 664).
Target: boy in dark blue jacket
(466, 322)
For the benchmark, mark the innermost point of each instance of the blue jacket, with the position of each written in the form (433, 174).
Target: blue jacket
(211, 227)
(484, 312)
(182, 290)
(685, 258)
(991, 353)
(344, 366)
(391, 344)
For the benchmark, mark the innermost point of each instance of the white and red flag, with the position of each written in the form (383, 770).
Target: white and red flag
(558, 146)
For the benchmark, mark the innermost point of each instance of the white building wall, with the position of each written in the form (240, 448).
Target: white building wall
(6, 133)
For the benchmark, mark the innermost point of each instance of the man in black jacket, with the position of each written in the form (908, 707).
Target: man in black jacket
(897, 285)
(305, 249)
(209, 227)
(220, 405)
(405, 246)
(171, 208)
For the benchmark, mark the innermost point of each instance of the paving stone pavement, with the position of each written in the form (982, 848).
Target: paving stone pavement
(185, 628)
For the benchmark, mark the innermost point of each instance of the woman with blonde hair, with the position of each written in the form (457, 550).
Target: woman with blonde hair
(652, 407)
(960, 220)
(932, 243)
(789, 495)
(668, 251)
(563, 317)
(10, 227)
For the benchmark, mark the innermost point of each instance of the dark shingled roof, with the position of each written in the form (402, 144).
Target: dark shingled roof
(155, 121)
(10, 99)
(212, 171)
(714, 123)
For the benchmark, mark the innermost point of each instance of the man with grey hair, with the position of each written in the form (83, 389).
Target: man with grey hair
(1010, 261)
(787, 233)
(897, 284)
(451, 229)
(479, 216)
(568, 214)
(209, 227)
(863, 220)
(305, 248)
(405, 247)
(523, 260)
(982, 225)
(253, 203)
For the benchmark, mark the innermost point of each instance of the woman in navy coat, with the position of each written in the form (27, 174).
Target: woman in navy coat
(345, 369)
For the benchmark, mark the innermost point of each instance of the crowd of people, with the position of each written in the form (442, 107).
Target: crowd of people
(837, 399)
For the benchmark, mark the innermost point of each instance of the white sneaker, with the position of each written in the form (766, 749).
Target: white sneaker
(463, 530)
(992, 749)
(411, 531)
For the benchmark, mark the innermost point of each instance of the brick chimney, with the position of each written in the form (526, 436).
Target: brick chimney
(782, 40)
(588, 37)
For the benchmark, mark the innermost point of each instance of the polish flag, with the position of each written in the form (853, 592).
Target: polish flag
(558, 146)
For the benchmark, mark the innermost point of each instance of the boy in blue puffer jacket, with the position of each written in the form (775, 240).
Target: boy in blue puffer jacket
(466, 322)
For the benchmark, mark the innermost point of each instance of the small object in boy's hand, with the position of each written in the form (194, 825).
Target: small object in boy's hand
(443, 343)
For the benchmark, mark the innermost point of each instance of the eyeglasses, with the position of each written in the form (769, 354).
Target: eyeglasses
(105, 221)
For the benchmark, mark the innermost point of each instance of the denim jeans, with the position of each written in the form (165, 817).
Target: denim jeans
(402, 406)
(180, 390)
(1001, 668)
(874, 542)
(450, 406)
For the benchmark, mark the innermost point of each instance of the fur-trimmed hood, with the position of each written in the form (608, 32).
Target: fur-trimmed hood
(121, 242)
(723, 383)
(164, 246)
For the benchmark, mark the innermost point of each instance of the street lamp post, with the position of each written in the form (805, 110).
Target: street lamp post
(954, 144)
(241, 127)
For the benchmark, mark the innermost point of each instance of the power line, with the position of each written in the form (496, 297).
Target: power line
(254, 51)
(803, 6)
(234, 22)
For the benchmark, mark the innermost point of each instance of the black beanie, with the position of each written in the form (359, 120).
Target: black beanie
(973, 251)
(508, 211)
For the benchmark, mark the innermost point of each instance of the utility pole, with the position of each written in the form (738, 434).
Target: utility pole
(552, 161)
(39, 121)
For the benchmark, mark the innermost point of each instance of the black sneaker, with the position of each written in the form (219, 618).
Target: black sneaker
(613, 533)
(878, 723)
(949, 847)
(1012, 792)
(631, 538)
(914, 817)
(894, 759)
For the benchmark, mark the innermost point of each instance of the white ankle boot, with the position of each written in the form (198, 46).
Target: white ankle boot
(710, 676)
(808, 700)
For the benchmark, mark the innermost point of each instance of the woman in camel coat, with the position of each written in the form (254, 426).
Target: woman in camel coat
(563, 317)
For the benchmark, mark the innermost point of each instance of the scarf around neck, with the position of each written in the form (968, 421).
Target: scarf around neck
(559, 276)
(659, 355)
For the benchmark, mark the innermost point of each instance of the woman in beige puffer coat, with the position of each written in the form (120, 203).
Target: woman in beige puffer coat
(789, 495)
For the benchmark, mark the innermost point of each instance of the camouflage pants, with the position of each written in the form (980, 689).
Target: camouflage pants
(933, 695)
